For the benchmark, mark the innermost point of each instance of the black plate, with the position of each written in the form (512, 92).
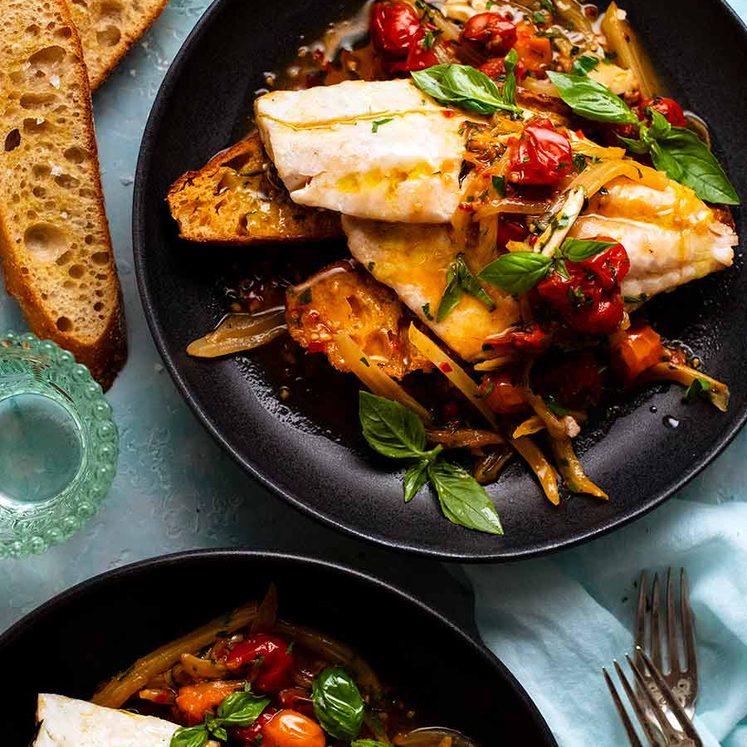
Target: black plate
(99, 628)
(309, 449)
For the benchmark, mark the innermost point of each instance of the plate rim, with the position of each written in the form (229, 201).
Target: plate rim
(140, 207)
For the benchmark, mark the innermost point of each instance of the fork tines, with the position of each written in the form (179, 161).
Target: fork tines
(669, 728)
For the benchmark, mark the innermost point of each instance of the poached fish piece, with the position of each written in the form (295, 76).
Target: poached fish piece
(671, 236)
(66, 722)
(414, 261)
(380, 149)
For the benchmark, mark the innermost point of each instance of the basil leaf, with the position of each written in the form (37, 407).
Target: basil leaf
(194, 736)
(585, 64)
(460, 279)
(686, 159)
(463, 500)
(390, 428)
(242, 708)
(499, 184)
(635, 146)
(462, 86)
(452, 294)
(577, 250)
(699, 388)
(509, 87)
(368, 743)
(660, 126)
(590, 99)
(517, 272)
(338, 705)
(415, 477)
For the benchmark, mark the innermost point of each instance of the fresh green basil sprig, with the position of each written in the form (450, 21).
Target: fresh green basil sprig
(460, 280)
(396, 432)
(338, 705)
(677, 151)
(518, 272)
(241, 708)
(467, 88)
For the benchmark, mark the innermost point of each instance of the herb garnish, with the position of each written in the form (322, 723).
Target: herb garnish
(677, 151)
(338, 705)
(519, 272)
(460, 280)
(466, 88)
(585, 64)
(379, 123)
(241, 708)
(396, 432)
(499, 185)
(699, 388)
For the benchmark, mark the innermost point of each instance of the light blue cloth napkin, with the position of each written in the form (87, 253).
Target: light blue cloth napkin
(557, 621)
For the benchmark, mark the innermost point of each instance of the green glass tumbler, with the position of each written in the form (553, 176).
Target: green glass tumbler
(58, 445)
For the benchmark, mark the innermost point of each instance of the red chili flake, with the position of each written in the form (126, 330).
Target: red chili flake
(317, 346)
(449, 113)
(444, 368)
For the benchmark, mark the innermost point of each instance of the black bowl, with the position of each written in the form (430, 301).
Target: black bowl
(309, 449)
(100, 627)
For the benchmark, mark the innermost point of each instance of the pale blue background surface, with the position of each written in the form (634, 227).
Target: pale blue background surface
(555, 622)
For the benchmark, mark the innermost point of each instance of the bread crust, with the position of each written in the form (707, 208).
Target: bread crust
(107, 353)
(234, 199)
(101, 58)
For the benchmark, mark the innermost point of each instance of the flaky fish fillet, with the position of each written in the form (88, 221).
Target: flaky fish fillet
(671, 236)
(414, 261)
(379, 150)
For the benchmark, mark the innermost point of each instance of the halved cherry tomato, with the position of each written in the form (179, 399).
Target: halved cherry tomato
(251, 735)
(496, 33)
(534, 51)
(393, 25)
(634, 350)
(419, 56)
(274, 658)
(669, 108)
(541, 157)
(502, 394)
(291, 729)
(194, 701)
(495, 68)
(587, 297)
(510, 230)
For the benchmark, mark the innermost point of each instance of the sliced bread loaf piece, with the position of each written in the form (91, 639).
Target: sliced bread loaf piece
(108, 28)
(57, 253)
(236, 199)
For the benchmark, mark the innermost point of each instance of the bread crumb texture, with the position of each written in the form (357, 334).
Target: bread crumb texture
(108, 28)
(57, 250)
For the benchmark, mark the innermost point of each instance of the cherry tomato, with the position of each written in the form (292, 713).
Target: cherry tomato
(194, 701)
(291, 729)
(502, 394)
(419, 56)
(276, 661)
(530, 339)
(297, 699)
(393, 25)
(669, 108)
(574, 380)
(541, 157)
(495, 68)
(493, 31)
(250, 735)
(589, 300)
(510, 230)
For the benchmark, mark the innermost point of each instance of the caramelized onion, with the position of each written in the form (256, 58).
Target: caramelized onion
(237, 333)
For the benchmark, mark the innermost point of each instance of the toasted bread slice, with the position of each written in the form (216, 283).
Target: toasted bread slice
(108, 28)
(236, 199)
(54, 237)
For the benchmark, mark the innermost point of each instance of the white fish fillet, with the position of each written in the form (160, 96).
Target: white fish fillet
(671, 236)
(66, 722)
(414, 260)
(379, 150)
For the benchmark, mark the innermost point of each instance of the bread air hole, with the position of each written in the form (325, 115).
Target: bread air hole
(109, 36)
(35, 125)
(100, 258)
(76, 271)
(12, 140)
(110, 10)
(64, 324)
(47, 57)
(75, 154)
(45, 241)
(37, 100)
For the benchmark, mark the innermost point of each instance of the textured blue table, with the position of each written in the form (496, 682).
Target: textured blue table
(175, 490)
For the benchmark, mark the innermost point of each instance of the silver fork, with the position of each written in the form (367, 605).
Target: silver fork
(659, 731)
(680, 671)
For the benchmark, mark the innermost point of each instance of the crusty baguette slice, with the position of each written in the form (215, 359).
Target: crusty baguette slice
(108, 28)
(54, 237)
(234, 199)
